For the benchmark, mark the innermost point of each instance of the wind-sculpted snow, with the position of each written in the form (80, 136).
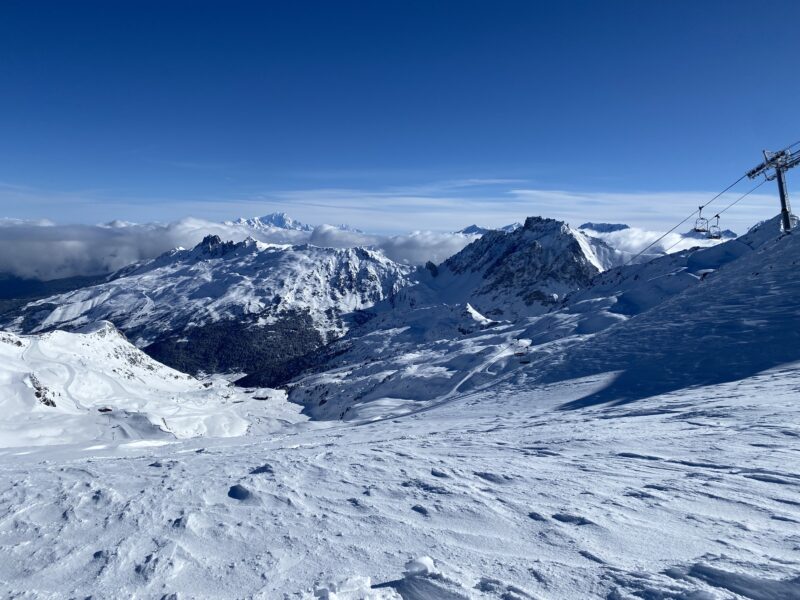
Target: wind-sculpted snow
(493, 495)
(60, 388)
(257, 288)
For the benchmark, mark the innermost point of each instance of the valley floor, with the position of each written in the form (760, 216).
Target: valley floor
(693, 494)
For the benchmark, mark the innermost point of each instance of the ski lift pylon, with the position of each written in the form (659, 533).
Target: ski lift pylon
(701, 224)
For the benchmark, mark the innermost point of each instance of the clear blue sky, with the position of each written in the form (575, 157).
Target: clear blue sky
(152, 110)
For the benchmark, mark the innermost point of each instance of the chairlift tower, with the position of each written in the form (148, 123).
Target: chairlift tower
(775, 166)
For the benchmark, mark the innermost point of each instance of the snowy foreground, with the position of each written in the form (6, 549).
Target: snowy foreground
(691, 494)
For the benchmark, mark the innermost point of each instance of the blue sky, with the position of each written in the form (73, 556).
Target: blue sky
(391, 114)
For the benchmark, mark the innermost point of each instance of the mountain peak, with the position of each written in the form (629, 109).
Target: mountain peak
(540, 224)
(526, 271)
(475, 229)
(277, 220)
(210, 241)
(604, 227)
(212, 245)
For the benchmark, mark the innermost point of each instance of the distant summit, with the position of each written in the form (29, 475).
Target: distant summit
(281, 220)
(478, 230)
(604, 227)
(272, 221)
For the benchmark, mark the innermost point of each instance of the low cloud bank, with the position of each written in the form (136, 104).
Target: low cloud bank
(41, 250)
(634, 240)
(413, 248)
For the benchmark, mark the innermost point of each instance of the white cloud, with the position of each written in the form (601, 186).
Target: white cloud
(46, 251)
(421, 246)
(634, 240)
(430, 211)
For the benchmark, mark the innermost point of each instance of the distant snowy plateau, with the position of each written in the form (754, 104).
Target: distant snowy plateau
(545, 414)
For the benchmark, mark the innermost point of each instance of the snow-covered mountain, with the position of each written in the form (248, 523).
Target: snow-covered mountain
(498, 277)
(60, 388)
(604, 227)
(478, 230)
(278, 220)
(428, 351)
(525, 271)
(225, 306)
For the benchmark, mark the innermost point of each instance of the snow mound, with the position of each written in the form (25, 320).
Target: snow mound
(423, 565)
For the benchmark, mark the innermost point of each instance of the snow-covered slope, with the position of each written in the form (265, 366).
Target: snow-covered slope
(427, 353)
(260, 302)
(691, 494)
(61, 388)
(732, 312)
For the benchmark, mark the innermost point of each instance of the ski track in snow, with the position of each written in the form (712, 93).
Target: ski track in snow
(680, 494)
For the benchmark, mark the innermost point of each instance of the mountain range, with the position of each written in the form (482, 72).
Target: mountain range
(184, 307)
(400, 368)
(536, 416)
(281, 302)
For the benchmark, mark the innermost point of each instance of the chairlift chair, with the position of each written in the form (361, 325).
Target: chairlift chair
(714, 232)
(701, 224)
(524, 355)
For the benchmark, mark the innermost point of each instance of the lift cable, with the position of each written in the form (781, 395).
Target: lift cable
(739, 199)
(727, 189)
(743, 196)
